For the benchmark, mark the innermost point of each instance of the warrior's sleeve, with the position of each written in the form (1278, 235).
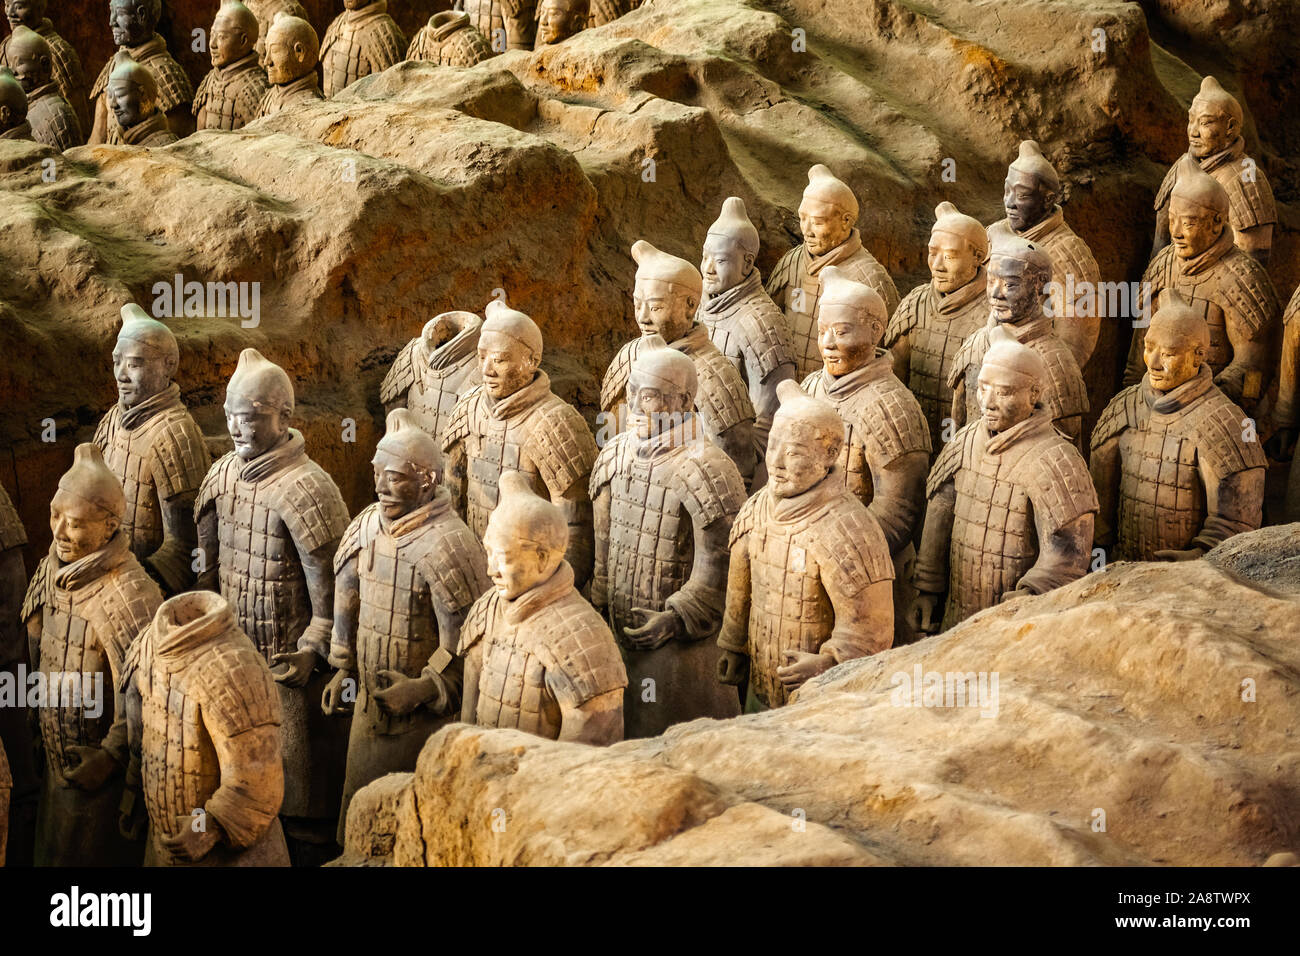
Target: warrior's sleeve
(1065, 506)
(457, 578)
(1233, 504)
(1249, 354)
(899, 489)
(1063, 554)
(864, 621)
(734, 635)
(738, 442)
(252, 783)
(857, 575)
(600, 566)
(347, 611)
(1104, 466)
(781, 276)
(712, 491)
(931, 574)
(1288, 392)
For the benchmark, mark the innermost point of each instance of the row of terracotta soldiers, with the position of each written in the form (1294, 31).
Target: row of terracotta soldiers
(266, 56)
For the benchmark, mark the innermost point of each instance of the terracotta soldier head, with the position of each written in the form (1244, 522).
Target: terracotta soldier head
(1010, 382)
(828, 211)
(133, 21)
(144, 359)
(442, 328)
(805, 441)
(25, 13)
(509, 350)
(234, 33)
(292, 50)
(1032, 188)
(525, 538)
(259, 404)
(87, 509)
(408, 466)
(559, 19)
(13, 102)
(1198, 210)
(31, 59)
(666, 294)
(132, 91)
(1019, 272)
(729, 248)
(959, 245)
(660, 388)
(1175, 345)
(1213, 121)
(850, 323)
(356, 4)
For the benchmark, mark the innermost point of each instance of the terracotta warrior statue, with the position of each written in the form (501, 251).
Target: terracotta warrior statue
(203, 723)
(560, 19)
(133, 98)
(269, 521)
(15, 735)
(1032, 197)
(68, 75)
(152, 444)
(53, 121)
(292, 52)
(1215, 143)
(743, 321)
(511, 21)
(827, 217)
(1173, 473)
(933, 320)
(607, 11)
(229, 95)
(133, 23)
(266, 12)
(1286, 412)
(1019, 271)
(1231, 289)
(405, 574)
(87, 601)
(431, 373)
(1011, 504)
(513, 421)
(886, 451)
(363, 39)
(810, 584)
(450, 40)
(665, 298)
(664, 499)
(537, 656)
(13, 108)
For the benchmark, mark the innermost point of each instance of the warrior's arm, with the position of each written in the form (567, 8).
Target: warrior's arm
(1162, 230)
(252, 784)
(318, 569)
(901, 349)
(1288, 383)
(578, 516)
(1104, 465)
(699, 604)
(172, 561)
(1063, 553)
(1233, 504)
(472, 665)
(1136, 366)
(347, 611)
(734, 635)
(738, 443)
(99, 128)
(207, 531)
(600, 571)
(936, 539)
(959, 403)
(1256, 242)
(864, 622)
(444, 673)
(457, 485)
(899, 490)
(1249, 354)
(599, 721)
(34, 625)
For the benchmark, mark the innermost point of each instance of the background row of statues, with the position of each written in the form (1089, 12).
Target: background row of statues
(514, 572)
(266, 56)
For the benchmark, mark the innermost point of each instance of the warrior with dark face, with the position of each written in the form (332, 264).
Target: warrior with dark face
(68, 75)
(52, 119)
(133, 99)
(134, 23)
(13, 108)
(229, 95)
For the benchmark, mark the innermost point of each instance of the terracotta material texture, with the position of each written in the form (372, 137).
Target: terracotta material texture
(558, 20)
(133, 26)
(229, 96)
(508, 24)
(431, 372)
(451, 40)
(64, 59)
(361, 40)
(1184, 770)
(134, 104)
(53, 120)
(19, 772)
(210, 768)
(664, 497)
(292, 58)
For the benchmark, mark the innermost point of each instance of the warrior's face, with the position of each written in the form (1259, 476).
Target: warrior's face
(798, 456)
(847, 338)
(131, 21)
(1027, 200)
(129, 104)
(557, 20)
(514, 564)
(506, 364)
(1006, 398)
(400, 486)
(952, 261)
(1192, 228)
(1172, 359)
(25, 13)
(662, 308)
(356, 4)
(653, 406)
(229, 41)
(31, 71)
(286, 57)
(80, 527)
(1015, 291)
(1209, 129)
(140, 371)
(255, 427)
(824, 225)
(725, 264)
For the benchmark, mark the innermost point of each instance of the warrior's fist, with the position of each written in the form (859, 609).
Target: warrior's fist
(92, 767)
(332, 703)
(1173, 554)
(733, 668)
(926, 613)
(800, 667)
(401, 694)
(300, 664)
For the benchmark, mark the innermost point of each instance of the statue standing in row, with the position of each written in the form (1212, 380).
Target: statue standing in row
(133, 95)
(13, 108)
(513, 21)
(133, 23)
(229, 96)
(53, 120)
(361, 40)
(65, 64)
(431, 372)
(292, 53)
(449, 39)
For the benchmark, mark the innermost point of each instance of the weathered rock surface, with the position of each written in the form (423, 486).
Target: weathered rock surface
(1146, 714)
(426, 188)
